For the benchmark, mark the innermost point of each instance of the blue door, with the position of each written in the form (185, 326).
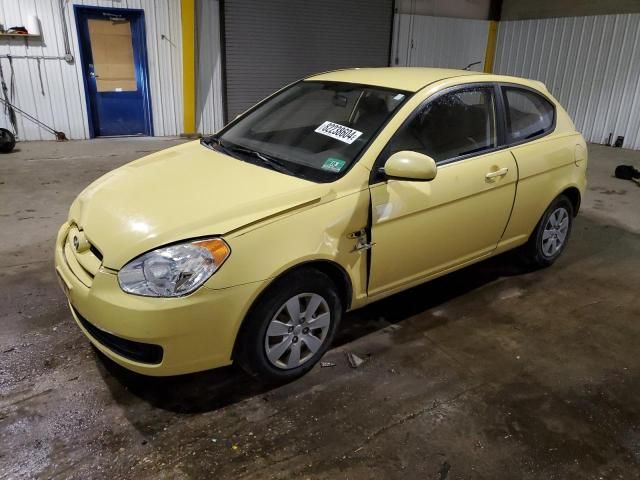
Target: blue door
(114, 64)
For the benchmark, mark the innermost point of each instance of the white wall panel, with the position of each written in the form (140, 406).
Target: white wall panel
(590, 64)
(63, 104)
(209, 111)
(424, 41)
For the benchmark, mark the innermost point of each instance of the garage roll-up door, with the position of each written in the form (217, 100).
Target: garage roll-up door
(271, 43)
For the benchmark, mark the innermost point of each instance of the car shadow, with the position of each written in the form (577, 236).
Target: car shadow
(215, 389)
(192, 393)
(416, 300)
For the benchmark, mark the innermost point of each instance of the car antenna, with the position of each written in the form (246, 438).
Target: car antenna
(471, 65)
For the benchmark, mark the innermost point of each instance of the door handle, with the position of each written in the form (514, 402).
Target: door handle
(498, 173)
(93, 75)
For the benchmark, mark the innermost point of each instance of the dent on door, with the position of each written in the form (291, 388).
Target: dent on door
(423, 228)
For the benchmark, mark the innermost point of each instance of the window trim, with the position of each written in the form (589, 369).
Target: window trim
(503, 139)
(377, 176)
(509, 141)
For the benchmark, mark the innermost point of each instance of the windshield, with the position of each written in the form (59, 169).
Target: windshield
(313, 130)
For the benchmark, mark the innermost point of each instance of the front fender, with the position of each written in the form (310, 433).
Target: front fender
(318, 233)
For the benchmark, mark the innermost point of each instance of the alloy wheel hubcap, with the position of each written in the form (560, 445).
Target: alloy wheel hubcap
(555, 231)
(297, 330)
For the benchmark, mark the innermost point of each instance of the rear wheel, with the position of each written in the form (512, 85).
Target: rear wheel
(551, 234)
(290, 327)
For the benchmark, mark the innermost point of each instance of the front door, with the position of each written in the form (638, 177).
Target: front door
(113, 57)
(423, 228)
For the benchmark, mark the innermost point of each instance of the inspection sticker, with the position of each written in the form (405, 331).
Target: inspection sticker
(339, 132)
(333, 164)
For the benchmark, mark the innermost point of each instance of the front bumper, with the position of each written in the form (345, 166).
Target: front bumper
(196, 332)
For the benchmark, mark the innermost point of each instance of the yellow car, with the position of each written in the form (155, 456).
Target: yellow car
(335, 192)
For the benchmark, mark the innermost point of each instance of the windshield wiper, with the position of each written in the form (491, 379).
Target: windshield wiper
(272, 162)
(210, 141)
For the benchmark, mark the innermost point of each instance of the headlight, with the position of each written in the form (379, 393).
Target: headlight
(175, 270)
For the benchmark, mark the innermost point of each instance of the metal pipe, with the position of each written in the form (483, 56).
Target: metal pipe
(34, 57)
(68, 57)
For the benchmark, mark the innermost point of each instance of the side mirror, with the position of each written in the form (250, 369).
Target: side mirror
(407, 165)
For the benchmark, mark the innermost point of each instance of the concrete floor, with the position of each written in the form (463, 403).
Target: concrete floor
(489, 373)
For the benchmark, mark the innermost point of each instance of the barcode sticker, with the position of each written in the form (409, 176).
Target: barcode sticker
(339, 132)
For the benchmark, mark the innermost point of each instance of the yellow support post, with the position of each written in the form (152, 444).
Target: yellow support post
(491, 46)
(187, 11)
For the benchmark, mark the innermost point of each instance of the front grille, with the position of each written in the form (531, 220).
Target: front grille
(136, 351)
(95, 251)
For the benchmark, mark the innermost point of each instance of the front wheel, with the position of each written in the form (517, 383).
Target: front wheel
(551, 234)
(290, 327)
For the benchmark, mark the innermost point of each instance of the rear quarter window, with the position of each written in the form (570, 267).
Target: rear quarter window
(529, 115)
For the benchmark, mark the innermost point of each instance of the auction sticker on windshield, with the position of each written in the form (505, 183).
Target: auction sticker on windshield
(339, 132)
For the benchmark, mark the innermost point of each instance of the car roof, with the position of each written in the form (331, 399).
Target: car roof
(409, 79)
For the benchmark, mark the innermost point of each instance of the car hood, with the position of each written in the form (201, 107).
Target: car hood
(184, 192)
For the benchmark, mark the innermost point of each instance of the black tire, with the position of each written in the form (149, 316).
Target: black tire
(251, 346)
(7, 141)
(537, 252)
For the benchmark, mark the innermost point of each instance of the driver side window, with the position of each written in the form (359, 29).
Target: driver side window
(455, 124)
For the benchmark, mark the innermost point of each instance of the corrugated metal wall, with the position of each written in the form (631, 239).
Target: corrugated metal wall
(63, 104)
(590, 64)
(423, 41)
(209, 109)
